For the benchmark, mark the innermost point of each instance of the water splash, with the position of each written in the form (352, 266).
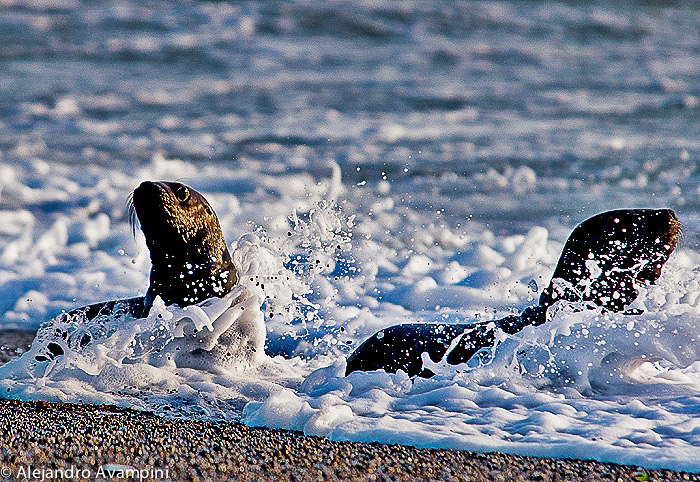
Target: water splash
(284, 270)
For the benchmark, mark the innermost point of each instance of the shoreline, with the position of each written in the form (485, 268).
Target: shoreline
(87, 442)
(102, 442)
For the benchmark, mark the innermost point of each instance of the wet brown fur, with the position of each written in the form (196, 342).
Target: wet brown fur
(190, 260)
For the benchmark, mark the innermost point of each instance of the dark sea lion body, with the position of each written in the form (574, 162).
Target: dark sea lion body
(189, 257)
(602, 261)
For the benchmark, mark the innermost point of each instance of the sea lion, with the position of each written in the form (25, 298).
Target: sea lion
(189, 258)
(603, 260)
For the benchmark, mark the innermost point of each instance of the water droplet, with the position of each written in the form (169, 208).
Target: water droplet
(533, 286)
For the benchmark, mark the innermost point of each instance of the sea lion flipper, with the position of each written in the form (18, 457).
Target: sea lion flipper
(400, 347)
(135, 307)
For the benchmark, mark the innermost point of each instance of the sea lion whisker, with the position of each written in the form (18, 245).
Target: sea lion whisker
(680, 236)
(133, 219)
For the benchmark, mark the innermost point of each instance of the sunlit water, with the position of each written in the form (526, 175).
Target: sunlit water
(370, 164)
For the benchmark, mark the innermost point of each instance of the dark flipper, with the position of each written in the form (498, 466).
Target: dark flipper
(401, 347)
(135, 307)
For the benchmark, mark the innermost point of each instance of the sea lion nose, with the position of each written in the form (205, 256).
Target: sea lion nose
(674, 227)
(148, 200)
(148, 191)
(148, 187)
(667, 221)
(665, 214)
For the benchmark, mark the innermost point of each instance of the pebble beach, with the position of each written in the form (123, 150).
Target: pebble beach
(103, 442)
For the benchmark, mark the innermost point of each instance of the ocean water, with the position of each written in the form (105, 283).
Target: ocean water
(371, 163)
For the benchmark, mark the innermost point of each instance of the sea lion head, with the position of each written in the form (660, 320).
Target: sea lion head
(607, 255)
(189, 256)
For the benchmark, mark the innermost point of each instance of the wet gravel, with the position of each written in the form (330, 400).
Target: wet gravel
(54, 437)
(88, 442)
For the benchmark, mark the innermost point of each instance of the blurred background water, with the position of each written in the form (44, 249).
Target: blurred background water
(578, 106)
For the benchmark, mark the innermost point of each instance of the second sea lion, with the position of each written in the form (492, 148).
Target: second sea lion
(602, 262)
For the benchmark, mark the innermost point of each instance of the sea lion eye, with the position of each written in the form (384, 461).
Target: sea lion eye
(181, 192)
